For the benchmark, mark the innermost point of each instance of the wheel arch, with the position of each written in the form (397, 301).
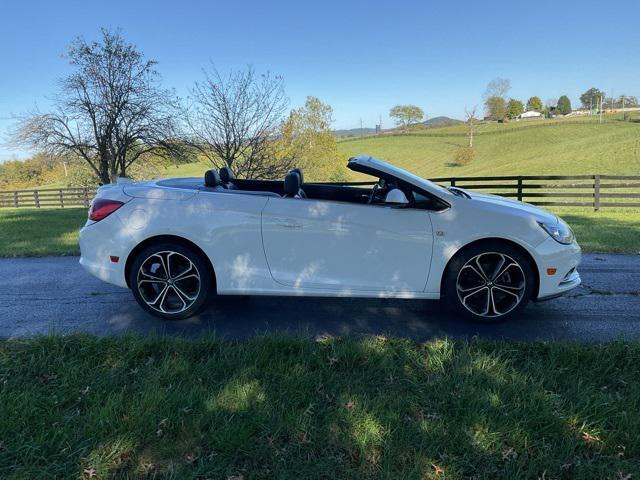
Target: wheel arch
(516, 245)
(168, 238)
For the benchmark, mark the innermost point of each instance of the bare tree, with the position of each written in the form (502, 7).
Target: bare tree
(110, 111)
(235, 119)
(470, 116)
(498, 87)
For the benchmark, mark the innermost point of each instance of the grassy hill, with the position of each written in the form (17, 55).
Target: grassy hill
(542, 147)
(537, 147)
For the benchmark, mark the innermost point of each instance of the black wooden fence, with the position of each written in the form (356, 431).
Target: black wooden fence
(596, 191)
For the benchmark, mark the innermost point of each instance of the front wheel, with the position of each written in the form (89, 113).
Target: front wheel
(170, 281)
(489, 282)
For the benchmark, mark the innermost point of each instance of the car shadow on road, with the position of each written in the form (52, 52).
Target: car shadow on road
(239, 317)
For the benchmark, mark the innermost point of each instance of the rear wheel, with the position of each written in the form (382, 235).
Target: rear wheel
(170, 281)
(489, 282)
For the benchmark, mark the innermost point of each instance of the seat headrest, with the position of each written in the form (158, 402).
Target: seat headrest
(292, 184)
(226, 174)
(299, 172)
(212, 178)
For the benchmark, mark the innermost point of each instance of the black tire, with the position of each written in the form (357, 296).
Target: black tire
(185, 295)
(498, 295)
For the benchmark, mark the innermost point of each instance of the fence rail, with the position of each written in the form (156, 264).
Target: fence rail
(47, 197)
(596, 191)
(558, 190)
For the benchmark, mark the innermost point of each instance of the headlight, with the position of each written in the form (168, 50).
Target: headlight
(560, 232)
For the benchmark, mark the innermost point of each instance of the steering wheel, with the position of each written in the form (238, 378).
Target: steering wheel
(374, 192)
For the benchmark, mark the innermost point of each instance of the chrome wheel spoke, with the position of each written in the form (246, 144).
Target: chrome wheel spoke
(184, 273)
(484, 276)
(151, 280)
(506, 291)
(183, 295)
(163, 292)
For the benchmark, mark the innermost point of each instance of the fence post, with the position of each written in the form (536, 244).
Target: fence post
(36, 198)
(453, 182)
(596, 192)
(85, 194)
(519, 189)
(61, 199)
(15, 199)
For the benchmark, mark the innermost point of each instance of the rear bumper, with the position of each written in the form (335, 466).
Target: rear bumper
(101, 241)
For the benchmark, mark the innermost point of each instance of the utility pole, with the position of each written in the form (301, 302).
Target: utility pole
(361, 129)
(600, 108)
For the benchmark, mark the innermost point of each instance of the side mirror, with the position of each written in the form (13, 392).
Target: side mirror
(396, 198)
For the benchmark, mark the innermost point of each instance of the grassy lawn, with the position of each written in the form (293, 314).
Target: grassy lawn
(608, 230)
(274, 407)
(40, 231)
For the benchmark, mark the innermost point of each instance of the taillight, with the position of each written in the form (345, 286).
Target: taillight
(102, 208)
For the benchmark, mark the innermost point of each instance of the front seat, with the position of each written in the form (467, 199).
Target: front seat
(212, 179)
(292, 185)
(226, 175)
(299, 172)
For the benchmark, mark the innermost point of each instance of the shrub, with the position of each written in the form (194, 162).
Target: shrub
(463, 156)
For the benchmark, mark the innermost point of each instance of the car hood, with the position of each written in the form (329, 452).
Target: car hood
(502, 203)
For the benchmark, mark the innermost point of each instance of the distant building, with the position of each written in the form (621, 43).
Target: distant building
(530, 114)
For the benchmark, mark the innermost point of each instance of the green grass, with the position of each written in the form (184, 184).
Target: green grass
(40, 231)
(608, 230)
(544, 147)
(273, 407)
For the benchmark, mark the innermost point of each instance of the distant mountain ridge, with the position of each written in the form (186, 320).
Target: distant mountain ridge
(354, 132)
(440, 121)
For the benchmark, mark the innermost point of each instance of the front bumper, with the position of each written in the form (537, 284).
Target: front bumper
(565, 259)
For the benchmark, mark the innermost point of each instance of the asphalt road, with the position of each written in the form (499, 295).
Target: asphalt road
(54, 294)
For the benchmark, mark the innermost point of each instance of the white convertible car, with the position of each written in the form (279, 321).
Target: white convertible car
(176, 242)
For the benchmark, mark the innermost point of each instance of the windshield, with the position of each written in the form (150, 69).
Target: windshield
(375, 167)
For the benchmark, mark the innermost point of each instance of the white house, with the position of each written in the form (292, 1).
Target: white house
(530, 114)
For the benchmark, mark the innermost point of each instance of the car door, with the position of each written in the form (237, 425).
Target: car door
(317, 244)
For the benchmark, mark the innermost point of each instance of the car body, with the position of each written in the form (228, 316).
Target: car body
(397, 239)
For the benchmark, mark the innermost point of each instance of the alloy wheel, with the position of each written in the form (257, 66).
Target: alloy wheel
(491, 284)
(168, 282)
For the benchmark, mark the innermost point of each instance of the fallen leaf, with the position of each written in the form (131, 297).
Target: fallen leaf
(90, 472)
(350, 404)
(590, 439)
(509, 454)
(437, 469)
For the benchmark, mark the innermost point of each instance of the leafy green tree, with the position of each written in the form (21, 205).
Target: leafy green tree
(564, 105)
(534, 104)
(307, 141)
(591, 98)
(514, 108)
(405, 115)
(495, 107)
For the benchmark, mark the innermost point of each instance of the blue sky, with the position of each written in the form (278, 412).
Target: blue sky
(360, 57)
